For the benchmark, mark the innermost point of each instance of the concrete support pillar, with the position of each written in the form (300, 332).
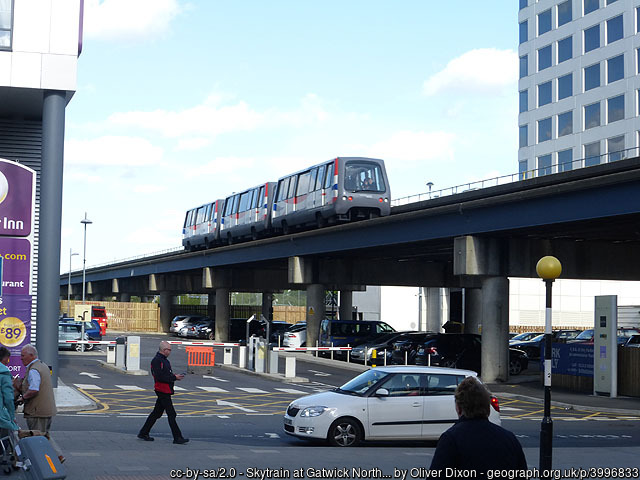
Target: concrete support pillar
(222, 314)
(473, 310)
(345, 311)
(495, 329)
(165, 311)
(315, 312)
(53, 118)
(211, 305)
(433, 310)
(267, 305)
(125, 297)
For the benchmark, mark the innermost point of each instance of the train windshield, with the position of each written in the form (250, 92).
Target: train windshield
(363, 176)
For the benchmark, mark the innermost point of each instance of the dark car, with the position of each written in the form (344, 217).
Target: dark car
(381, 345)
(532, 347)
(463, 350)
(237, 329)
(277, 331)
(406, 347)
(633, 341)
(523, 337)
(624, 333)
(72, 331)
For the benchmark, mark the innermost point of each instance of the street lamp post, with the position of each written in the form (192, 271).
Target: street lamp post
(85, 221)
(548, 268)
(71, 254)
(429, 185)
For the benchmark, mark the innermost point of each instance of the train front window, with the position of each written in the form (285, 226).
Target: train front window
(363, 176)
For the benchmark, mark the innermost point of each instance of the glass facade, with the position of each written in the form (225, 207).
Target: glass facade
(524, 26)
(544, 22)
(524, 101)
(564, 12)
(591, 6)
(592, 115)
(544, 165)
(565, 160)
(523, 136)
(565, 123)
(615, 147)
(524, 66)
(544, 57)
(592, 154)
(544, 130)
(6, 24)
(591, 38)
(592, 77)
(565, 49)
(615, 69)
(565, 86)
(615, 30)
(615, 109)
(544, 93)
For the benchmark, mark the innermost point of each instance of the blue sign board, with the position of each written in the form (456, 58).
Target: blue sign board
(570, 359)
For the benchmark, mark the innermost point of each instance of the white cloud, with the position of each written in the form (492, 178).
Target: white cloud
(150, 188)
(408, 146)
(221, 165)
(112, 151)
(82, 177)
(128, 19)
(483, 70)
(193, 143)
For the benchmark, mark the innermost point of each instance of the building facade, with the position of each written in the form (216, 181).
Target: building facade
(579, 84)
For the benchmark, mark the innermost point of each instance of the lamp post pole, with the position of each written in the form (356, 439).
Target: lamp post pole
(71, 254)
(85, 221)
(548, 269)
(429, 185)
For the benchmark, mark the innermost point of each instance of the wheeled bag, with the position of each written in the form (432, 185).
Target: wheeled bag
(39, 459)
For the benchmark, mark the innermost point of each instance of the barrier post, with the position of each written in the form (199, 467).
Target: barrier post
(120, 352)
(331, 350)
(133, 353)
(290, 367)
(242, 357)
(111, 354)
(273, 362)
(228, 356)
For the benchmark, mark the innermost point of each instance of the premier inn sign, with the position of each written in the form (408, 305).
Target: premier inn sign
(17, 199)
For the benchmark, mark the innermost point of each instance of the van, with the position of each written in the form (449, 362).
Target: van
(341, 333)
(99, 314)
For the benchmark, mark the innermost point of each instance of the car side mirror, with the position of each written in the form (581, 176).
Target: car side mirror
(382, 392)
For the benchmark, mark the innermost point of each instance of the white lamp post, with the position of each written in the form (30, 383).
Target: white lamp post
(71, 254)
(85, 221)
(429, 185)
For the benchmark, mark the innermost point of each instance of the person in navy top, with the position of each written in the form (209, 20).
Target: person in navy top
(473, 442)
(164, 379)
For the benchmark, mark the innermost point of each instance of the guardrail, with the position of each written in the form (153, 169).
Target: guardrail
(92, 342)
(204, 344)
(309, 349)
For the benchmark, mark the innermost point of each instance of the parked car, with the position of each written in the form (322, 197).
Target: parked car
(296, 336)
(206, 328)
(92, 328)
(341, 333)
(532, 347)
(384, 403)
(183, 320)
(72, 331)
(624, 333)
(277, 331)
(380, 345)
(523, 337)
(463, 350)
(406, 347)
(633, 341)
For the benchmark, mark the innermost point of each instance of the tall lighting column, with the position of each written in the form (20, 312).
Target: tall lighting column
(85, 221)
(71, 254)
(548, 269)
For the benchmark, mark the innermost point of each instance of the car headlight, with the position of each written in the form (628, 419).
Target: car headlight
(313, 411)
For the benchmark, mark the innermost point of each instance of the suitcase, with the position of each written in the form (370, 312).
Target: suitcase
(39, 459)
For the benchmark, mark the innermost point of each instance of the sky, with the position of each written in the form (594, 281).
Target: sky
(179, 103)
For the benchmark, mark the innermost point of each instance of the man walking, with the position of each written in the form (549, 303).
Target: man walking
(474, 443)
(164, 379)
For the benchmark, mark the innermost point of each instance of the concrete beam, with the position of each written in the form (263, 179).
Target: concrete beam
(477, 256)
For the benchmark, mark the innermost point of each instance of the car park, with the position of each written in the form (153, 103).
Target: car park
(382, 345)
(383, 403)
(623, 334)
(523, 337)
(182, 321)
(533, 346)
(72, 331)
(342, 333)
(296, 336)
(405, 347)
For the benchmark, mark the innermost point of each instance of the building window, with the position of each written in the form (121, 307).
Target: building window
(6, 22)
(609, 2)
(637, 19)
(524, 101)
(565, 123)
(638, 93)
(544, 22)
(544, 93)
(638, 60)
(591, 6)
(592, 154)
(544, 130)
(615, 69)
(523, 136)
(544, 57)
(592, 38)
(524, 66)
(544, 165)
(522, 169)
(592, 77)
(565, 160)
(615, 147)
(523, 4)
(523, 31)
(565, 49)
(615, 30)
(615, 108)
(565, 86)
(564, 12)
(592, 115)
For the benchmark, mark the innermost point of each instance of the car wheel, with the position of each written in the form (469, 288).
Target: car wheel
(87, 347)
(344, 432)
(515, 367)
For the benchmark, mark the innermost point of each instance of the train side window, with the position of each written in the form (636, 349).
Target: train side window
(283, 188)
(320, 178)
(236, 200)
(292, 187)
(312, 180)
(188, 218)
(328, 181)
(303, 184)
(244, 201)
(200, 215)
(211, 210)
(260, 201)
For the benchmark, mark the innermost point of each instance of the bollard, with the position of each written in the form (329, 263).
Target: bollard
(290, 367)
(260, 357)
(111, 354)
(242, 357)
(332, 351)
(373, 358)
(228, 356)
(273, 362)
(120, 352)
(385, 357)
(133, 353)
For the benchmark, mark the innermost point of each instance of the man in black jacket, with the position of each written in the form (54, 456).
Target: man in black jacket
(474, 443)
(164, 379)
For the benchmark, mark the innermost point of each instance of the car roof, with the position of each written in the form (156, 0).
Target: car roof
(421, 369)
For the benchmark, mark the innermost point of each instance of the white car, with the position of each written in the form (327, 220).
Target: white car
(384, 403)
(295, 337)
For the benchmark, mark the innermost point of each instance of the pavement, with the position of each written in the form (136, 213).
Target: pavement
(526, 386)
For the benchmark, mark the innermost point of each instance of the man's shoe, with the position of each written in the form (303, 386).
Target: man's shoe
(181, 441)
(146, 438)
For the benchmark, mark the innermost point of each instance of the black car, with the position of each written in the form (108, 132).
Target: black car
(237, 329)
(532, 347)
(381, 344)
(406, 347)
(463, 350)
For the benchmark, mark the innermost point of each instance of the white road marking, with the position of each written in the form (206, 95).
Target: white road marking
(320, 374)
(510, 409)
(215, 378)
(290, 390)
(234, 405)
(222, 457)
(130, 387)
(179, 389)
(272, 435)
(92, 375)
(265, 451)
(85, 386)
(222, 416)
(213, 389)
(251, 390)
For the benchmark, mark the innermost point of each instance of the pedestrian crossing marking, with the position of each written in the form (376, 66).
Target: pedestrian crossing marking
(179, 389)
(509, 409)
(85, 386)
(130, 387)
(290, 390)
(251, 390)
(213, 389)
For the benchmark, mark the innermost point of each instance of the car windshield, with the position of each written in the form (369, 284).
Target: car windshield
(362, 382)
(586, 335)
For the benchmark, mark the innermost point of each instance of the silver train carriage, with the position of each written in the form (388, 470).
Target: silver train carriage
(343, 189)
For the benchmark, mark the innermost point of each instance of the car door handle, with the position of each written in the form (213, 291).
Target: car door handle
(416, 404)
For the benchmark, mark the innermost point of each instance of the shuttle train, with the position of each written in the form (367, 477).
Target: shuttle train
(341, 190)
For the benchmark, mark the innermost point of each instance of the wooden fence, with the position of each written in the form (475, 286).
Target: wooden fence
(126, 316)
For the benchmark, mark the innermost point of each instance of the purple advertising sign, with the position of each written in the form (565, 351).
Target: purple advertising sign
(16, 199)
(16, 265)
(15, 328)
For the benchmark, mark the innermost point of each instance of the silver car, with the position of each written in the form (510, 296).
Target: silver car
(182, 321)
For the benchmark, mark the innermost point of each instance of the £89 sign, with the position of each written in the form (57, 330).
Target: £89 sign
(12, 331)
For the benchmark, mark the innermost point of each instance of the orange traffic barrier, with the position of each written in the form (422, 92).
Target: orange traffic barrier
(200, 356)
